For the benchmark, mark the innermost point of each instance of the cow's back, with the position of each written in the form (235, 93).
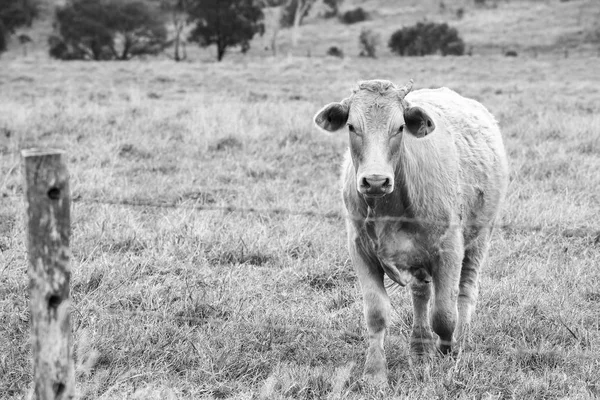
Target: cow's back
(481, 158)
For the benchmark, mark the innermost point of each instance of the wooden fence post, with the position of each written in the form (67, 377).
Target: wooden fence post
(48, 201)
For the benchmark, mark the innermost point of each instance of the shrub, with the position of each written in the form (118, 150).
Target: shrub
(335, 51)
(368, 41)
(354, 16)
(426, 38)
(107, 30)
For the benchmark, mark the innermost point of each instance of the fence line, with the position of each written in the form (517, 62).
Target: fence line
(331, 215)
(343, 334)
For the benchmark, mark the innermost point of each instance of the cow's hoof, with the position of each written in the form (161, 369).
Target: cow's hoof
(375, 372)
(419, 348)
(376, 380)
(422, 343)
(444, 346)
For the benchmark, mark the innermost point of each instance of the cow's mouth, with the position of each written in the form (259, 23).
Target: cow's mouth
(374, 196)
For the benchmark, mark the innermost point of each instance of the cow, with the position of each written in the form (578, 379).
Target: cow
(423, 181)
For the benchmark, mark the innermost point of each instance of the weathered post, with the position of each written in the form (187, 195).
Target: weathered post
(47, 201)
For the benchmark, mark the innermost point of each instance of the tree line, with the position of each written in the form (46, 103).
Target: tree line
(123, 29)
(120, 30)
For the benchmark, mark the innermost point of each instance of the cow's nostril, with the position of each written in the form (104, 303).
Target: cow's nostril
(365, 183)
(387, 182)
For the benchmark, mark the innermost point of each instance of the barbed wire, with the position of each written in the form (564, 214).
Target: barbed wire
(205, 207)
(331, 215)
(343, 334)
(335, 215)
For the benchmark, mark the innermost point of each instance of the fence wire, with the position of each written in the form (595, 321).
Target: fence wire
(348, 336)
(334, 215)
(341, 334)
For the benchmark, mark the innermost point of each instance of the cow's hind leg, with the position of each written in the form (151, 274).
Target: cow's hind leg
(421, 341)
(446, 277)
(475, 256)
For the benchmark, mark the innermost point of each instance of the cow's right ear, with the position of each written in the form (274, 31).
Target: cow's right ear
(332, 117)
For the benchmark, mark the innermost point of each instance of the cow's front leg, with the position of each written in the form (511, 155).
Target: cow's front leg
(377, 314)
(446, 277)
(421, 341)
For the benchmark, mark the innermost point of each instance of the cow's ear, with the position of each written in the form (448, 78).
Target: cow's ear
(332, 117)
(418, 122)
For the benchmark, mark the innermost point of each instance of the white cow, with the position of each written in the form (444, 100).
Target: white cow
(425, 175)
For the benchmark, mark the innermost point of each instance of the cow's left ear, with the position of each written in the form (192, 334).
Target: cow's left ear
(418, 122)
(332, 117)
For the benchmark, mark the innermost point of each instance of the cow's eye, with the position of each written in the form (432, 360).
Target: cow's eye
(351, 128)
(399, 131)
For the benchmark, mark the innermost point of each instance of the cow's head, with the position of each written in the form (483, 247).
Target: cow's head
(377, 116)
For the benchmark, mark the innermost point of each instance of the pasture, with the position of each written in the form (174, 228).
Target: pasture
(174, 302)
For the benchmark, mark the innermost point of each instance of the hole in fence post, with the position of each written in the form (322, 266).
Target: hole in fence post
(58, 388)
(54, 193)
(54, 301)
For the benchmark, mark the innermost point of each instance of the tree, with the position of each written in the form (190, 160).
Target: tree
(179, 18)
(225, 23)
(15, 14)
(296, 10)
(274, 11)
(107, 30)
(293, 8)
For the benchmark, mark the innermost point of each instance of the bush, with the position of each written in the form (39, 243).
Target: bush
(107, 30)
(354, 16)
(426, 38)
(335, 51)
(368, 41)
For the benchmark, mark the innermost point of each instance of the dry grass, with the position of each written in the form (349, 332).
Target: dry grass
(177, 303)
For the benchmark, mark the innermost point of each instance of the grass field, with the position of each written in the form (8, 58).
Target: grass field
(172, 302)
(178, 303)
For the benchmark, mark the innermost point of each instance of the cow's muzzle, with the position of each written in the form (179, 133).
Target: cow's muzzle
(376, 185)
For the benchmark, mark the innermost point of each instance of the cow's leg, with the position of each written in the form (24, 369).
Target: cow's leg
(475, 256)
(446, 277)
(421, 341)
(377, 314)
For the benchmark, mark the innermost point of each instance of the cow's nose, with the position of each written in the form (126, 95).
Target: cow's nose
(376, 185)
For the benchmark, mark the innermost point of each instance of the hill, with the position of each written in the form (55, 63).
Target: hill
(530, 27)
